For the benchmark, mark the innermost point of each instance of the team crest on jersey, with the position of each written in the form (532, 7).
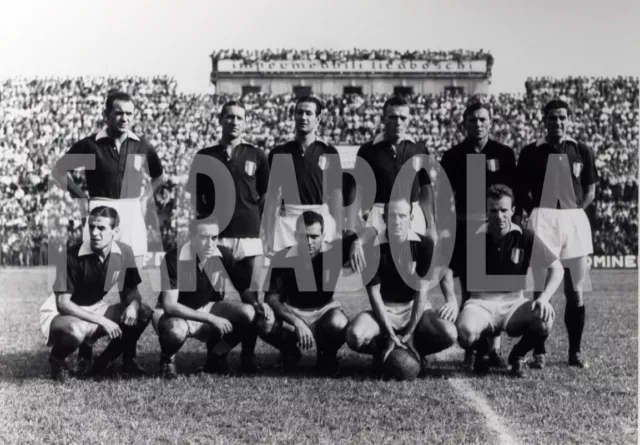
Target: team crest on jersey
(114, 279)
(250, 168)
(417, 163)
(516, 255)
(577, 169)
(493, 165)
(322, 162)
(137, 162)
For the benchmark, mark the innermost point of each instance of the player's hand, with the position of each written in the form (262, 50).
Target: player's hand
(356, 257)
(449, 312)
(223, 325)
(305, 336)
(130, 315)
(546, 310)
(264, 310)
(407, 340)
(111, 328)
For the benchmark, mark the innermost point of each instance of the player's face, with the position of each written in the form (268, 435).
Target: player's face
(120, 117)
(398, 219)
(206, 240)
(312, 236)
(500, 212)
(101, 233)
(478, 124)
(233, 122)
(557, 122)
(306, 118)
(396, 121)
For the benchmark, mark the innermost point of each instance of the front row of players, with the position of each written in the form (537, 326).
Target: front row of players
(300, 311)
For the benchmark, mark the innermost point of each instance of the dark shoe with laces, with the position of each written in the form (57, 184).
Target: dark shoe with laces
(59, 370)
(496, 360)
(517, 367)
(131, 368)
(168, 370)
(578, 361)
(538, 361)
(83, 368)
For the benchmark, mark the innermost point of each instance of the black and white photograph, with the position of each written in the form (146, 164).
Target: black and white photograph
(337, 222)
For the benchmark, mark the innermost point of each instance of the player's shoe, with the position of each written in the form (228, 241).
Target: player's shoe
(578, 361)
(249, 364)
(59, 369)
(469, 357)
(538, 361)
(217, 364)
(290, 359)
(327, 363)
(496, 360)
(168, 369)
(131, 368)
(481, 365)
(517, 367)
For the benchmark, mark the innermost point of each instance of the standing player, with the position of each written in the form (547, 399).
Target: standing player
(500, 169)
(556, 181)
(311, 163)
(116, 181)
(77, 314)
(386, 155)
(509, 251)
(400, 315)
(191, 302)
(249, 169)
(307, 317)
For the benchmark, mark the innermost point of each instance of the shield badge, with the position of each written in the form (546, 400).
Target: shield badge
(577, 169)
(322, 162)
(516, 255)
(114, 280)
(493, 165)
(250, 168)
(137, 162)
(417, 163)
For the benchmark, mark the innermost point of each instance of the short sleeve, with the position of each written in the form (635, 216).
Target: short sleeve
(425, 254)
(240, 281)
(153, 161)
(590, 174)
(132, 275)
(262, 175)
(68, 162)
(169, 271)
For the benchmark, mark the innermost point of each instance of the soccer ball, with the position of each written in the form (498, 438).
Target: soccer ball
(401, 365)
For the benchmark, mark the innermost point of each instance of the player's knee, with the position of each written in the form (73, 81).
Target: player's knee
(540, 327)
(145, 313)
(68, 333)
(173, 329)
(264, 326)
(448, 333)
(356, 336)
(247, 314)
(337, 321)
(466, 335)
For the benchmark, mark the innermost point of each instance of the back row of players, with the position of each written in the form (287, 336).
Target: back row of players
(400, 235)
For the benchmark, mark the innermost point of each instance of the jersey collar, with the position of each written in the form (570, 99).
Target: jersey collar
(543, 141)
(103, 134)
(483, 228)
(85, 248)
(293, 251)
(380, 138)
(382, 237)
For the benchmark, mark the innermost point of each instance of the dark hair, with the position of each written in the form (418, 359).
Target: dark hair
(106, 212)
(475, 107)
(116, 95)
(499, 191)
(231, 103)
(194, 223)
(555, 104)
(396, 199)
(395, 101)
(313, 100)
(310, 218)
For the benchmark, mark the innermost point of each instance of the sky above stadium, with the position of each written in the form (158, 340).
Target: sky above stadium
(149, 37)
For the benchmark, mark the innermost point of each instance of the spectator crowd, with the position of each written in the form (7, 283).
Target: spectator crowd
(41, 118)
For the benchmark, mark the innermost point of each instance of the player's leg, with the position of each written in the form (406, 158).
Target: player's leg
(247, 356)
(282, 336)
(364, 335)
(433, 334)
(574, 315)
(329, 333)
(527, 324)
(539, 349)
(241, 317)
(172, 333)
(65, 335)
(475, 326)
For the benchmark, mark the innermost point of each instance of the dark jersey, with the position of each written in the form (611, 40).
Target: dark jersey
(200, 283)
(108, 179)
(88, 279)
(326, 267)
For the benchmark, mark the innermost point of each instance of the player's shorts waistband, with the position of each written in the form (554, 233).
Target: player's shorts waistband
(497, 296)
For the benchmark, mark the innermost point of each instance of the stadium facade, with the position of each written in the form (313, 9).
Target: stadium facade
(335, 77)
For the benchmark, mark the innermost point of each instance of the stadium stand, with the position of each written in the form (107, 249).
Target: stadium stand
(41, 118)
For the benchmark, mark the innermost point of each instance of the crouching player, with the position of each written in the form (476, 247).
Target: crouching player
(76, 313)
(304, 318)
(509, 251)
(400, 315)
(191, 301)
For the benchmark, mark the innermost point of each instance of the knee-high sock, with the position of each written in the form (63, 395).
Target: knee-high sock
(574, 317)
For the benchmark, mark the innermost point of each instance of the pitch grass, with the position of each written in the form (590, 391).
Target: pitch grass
(557, 405)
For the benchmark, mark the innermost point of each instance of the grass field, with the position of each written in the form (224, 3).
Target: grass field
(557, 405)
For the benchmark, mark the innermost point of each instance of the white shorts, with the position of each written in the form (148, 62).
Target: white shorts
(133, 230)
(311, 317)
(285, 227)
(49, 311)
(567, 232)
(197, 329)
(242, 247)
(418, 222)
(498, 312)
(399, 314)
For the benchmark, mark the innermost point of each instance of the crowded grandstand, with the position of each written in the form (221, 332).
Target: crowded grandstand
(41, 118)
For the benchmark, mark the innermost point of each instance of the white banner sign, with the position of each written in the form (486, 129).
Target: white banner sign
(353, 66)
